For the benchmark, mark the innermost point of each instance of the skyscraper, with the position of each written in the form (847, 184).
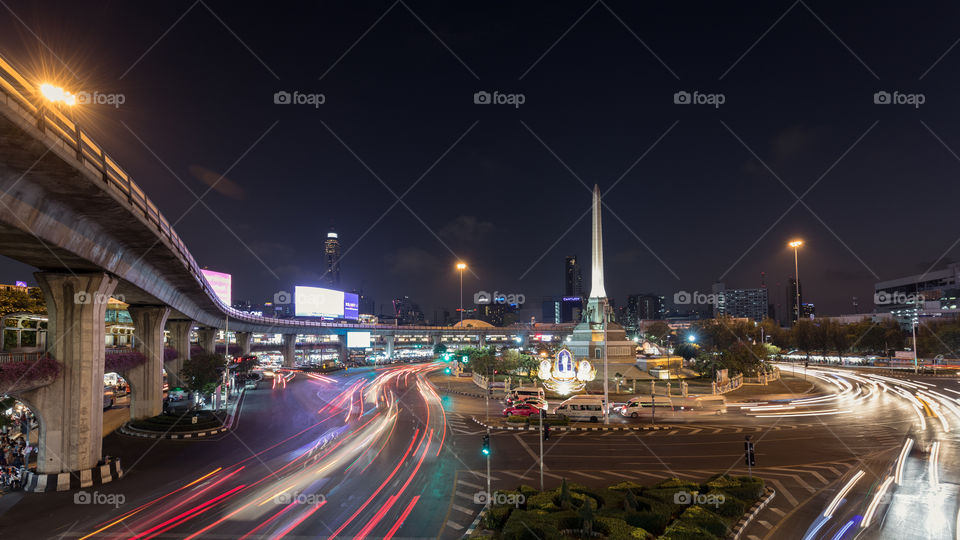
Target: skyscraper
(331, 250)
(572, 278)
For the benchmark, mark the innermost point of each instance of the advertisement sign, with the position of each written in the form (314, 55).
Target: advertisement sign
(351, 306)
(358, 340)
(222, 285)
(317, 302)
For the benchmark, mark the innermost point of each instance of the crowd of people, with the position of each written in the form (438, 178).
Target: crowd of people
(15, 451)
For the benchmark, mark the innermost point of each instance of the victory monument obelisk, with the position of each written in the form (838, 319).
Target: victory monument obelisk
(597, 333)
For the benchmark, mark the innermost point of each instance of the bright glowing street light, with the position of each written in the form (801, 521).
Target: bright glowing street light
(795, 244)
(461, 267)
(691, 338)
(57, 94)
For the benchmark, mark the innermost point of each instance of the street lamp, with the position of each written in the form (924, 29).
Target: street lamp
(795, 244)
(56, 94)
(461, 267)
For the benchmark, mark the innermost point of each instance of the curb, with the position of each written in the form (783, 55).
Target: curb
(752, 513)
(574, 428)
(476, 523)
(68, 481)
(127, 429)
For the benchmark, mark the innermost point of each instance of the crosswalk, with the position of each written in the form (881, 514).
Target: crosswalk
(463, 425)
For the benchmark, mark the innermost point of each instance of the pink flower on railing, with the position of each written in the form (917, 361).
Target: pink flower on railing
(44, 368)
(169, 354)
(118, 361)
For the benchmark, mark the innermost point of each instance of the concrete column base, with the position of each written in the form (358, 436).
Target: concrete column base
(146, 380)
(68, 481)
(70, 409)
(289, 350)
(243, 341)
(180, 341)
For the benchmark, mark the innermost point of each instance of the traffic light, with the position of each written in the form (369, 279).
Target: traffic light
(546, 432)
(447, 371)
(486, 445)
(749, 457)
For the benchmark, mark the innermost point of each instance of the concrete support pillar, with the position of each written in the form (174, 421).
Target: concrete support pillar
(180, 341)
(289, 350)
(436, 340)
(208, 339)
(243, 341)
(481, 340)
(71, 408)
(342, 348)
(146, 380)
(388, 342)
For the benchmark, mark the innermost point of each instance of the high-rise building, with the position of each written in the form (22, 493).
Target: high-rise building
(572, 278)
(365, 304)
(407, 312)
(791, 311)
(561, 309)
(740, 303)
(331, 251)
(642, 307)
(931, 294)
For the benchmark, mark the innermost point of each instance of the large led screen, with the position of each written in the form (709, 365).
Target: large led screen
(351, 306)
(317, 302)
(222, 285)
(358, 340)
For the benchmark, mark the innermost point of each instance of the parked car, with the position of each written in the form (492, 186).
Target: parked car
(108, 397)
(522, 409)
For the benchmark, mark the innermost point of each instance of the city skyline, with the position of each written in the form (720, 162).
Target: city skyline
(498, 185)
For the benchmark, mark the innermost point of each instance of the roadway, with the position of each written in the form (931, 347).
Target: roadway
(377, 453)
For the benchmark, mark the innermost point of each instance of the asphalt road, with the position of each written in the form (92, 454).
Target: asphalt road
(378, 454)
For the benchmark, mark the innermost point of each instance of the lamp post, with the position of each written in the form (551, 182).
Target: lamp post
(461, 267)
(795, 244)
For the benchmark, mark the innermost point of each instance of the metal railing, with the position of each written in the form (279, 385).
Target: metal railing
(20, 357)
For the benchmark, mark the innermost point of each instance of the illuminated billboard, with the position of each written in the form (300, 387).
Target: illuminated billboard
(351, 306)
(317, 302)
(222, 285)
(358, 340)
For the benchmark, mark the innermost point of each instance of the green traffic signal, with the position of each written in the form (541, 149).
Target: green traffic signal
(486, 445)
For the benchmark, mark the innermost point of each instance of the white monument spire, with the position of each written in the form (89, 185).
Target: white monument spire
(596, 267)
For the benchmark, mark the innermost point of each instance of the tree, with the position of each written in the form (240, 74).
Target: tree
(659, 330)
(201, 372)
(803, 338)
(821, 337)
(842, 338)
(20, 300)
(687, 350)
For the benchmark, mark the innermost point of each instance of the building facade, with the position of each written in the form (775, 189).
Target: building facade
(572, 277)
(750, 304)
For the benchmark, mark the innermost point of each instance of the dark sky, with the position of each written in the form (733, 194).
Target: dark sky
(713, 195)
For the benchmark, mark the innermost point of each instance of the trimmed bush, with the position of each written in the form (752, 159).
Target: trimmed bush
(530, 525)
(618, 529)
(543, 501)
(623, 486)
(555, 421)
(516, 419)
(683, 530)
(566, 519)
(732, 507)
(748, 490)
(496, 517)
(654, 522)
(706, 520)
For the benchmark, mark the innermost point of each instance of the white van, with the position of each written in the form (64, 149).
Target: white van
(641, 404)
(583, 407)
(524, 392)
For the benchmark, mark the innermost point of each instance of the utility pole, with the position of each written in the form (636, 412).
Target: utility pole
(543, 436)
(486, 450)
(748, 454)
(913, 328)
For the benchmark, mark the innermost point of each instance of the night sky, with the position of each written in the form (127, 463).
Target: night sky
(694, 193)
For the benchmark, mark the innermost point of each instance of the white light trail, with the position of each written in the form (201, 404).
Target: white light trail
(842, 493)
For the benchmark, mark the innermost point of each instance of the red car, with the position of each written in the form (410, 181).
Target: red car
(522, 409)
